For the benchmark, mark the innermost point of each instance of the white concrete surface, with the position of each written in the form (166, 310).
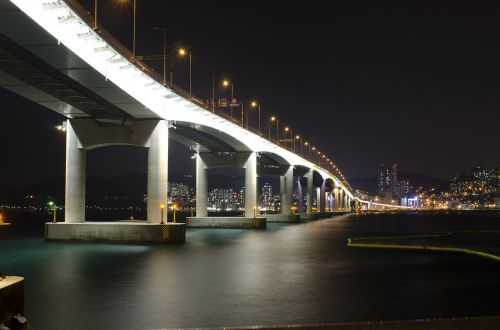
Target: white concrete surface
(75, 178)
(157, 172)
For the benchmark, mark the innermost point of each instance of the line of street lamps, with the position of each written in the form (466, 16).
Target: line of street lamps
(312, 152)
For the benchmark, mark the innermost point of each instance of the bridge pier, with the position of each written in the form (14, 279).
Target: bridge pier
(251, 186)
(207, 160)
(74, 204)
(300, 197)
(309, 197)
(85, 134)
(322, 201)
(157, 172)
(308, 215)
(341, 200)
(286, 191)
(201, 187)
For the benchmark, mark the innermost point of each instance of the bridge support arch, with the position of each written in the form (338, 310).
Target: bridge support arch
(86, 134)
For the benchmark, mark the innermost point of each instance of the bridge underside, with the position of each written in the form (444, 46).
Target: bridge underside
(35, 65)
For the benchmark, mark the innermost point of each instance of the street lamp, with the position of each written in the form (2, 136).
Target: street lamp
(164, 31)
(183, 52)
(53, 208)
(62, 127)
(94, 25)
(271, 120)
(298, 138)
(162, 207)
(133, 40)
(288, 129)
(213, 87)
(133, 32)
(227, 83)
(254, 104)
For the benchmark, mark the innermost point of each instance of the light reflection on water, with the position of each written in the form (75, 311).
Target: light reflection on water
(287, 274)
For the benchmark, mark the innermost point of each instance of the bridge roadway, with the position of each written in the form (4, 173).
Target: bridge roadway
(50, 54)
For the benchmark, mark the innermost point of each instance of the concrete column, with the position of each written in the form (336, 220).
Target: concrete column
(251, 185)
(300, 198)
(346, 205)
(286, 191)
(341, 199)
(335, 199)
(201, 187)
(74, 204)
(318, 199)
(309, 192)
(158, 172)
(322, 197)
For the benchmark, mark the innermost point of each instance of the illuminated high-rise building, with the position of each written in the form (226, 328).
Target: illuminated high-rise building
(267, 196)
(388, 180)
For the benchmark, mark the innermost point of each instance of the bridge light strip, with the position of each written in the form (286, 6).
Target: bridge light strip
(59, 20)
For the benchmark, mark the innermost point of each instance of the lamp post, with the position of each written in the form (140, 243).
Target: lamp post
(226, 83)
(242, 111)
(277, 131)
(175, 210)
(94, 25)
(308, 152)
(288, 129)
(54, 209)
(254, 104)
(183, 52)
(162, 207)
(298, 138)
(164, 31)
(213, 87)
(269, 124)
(133, 40)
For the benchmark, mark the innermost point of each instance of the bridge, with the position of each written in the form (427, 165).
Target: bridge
(51, 55)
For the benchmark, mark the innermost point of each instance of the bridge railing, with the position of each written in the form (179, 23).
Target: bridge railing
(88, 18)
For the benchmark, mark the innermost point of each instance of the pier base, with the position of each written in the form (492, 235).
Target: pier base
(226, 222)
(283, 218)
(120, 231)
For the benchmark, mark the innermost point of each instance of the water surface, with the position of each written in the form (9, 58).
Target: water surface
(287, 274)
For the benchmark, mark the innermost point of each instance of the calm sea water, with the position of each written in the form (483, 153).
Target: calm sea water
(287, 274)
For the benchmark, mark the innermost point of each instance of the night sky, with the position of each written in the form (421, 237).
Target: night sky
(412, 82)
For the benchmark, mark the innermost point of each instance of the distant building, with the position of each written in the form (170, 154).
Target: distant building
(388, 180)
(220, 199)
(479, 188)
(241, 199)
(180, 194)
(267, 197)
(478, 181)
(403, 188)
